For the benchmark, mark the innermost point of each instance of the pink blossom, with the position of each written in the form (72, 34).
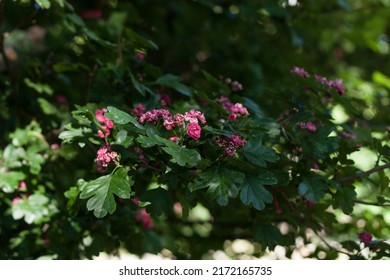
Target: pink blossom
(91, 14)
(309, 126)
(54, 146)
(300, 72)
(321, 79)
(104, 156)
(236, 86)
(232, 116)
(236, 110)
(310, 203)
(165, 100)
(315, 165)
(337, 85)
(230, 144)
(348, 135)
(141, 155)
(106, 123)
(22, 185)
(144, 219)
(139, 109)
(16, 200)
(174, 138)
(194, 116)
(179, 119)
(140, 56)
(61, 100)
(365, 237)
(194, 130)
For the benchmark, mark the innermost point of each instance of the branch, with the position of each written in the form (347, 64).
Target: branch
(371, 203)
(330, 246)
(363, 174)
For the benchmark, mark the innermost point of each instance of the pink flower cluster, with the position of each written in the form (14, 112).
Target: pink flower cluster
(230, 144)
(139, 109)
(192, 117)
(236, 110)
(234, 85)
(142, 217)
(141, 155)
(348, 135)
(106, 123)
(335, 84)
(300, 72)
(309, 126)
(104, 156)
(365, 237)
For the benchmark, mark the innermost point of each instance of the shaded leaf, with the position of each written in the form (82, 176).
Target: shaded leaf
(221, 183)
(160, 201)
(102, 190)
(267, 235)
(258, 154)
(253, 190)
(313, 189)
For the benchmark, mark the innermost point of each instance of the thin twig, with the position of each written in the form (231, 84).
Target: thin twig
(330, 246)
(363, 174)
(370, 203)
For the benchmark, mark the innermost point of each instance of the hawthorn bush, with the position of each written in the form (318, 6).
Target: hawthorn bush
(185, 125)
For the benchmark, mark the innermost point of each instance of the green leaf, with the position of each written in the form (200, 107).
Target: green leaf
(123, 139)
(253, 191)
(101, 192)
(344, 198)
(221, 183)
(38, 87)
(160, 201)
(258, 154)
(120, 117)
(313, 189)
(173, 81)
(36, 209)
(9, 180)
(267, 235)
(45, 4)
(180, 155)
(381, 79)
(140, 87)
(47, 107)
(70, 134)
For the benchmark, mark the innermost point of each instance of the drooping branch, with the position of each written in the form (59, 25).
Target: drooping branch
(363, 174)
(371, 203)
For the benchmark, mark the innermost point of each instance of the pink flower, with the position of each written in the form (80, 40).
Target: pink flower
(348, 135)
(139, 109)
(140, 56)
(61, 100)
(144, 219)
(365, 237)
(54, 146)
(165, 100)
(321, 79)
(174, 138)
(106, 123)
(22, 185)
(104, 156)
(300, 72)
(337, 85)
(309, 126)
(194, 130)
(16, 200)
(91, 14)
(310, 203)
(230, 144)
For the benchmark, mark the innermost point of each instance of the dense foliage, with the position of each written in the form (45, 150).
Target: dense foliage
(186, 125)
